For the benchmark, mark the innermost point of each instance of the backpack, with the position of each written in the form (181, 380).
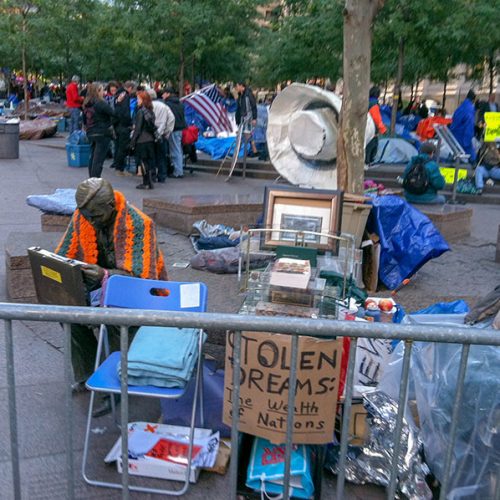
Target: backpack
(417, 179)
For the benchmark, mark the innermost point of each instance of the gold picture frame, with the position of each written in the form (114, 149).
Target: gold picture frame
(308, 213)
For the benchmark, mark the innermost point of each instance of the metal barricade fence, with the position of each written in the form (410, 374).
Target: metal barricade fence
(294, 326)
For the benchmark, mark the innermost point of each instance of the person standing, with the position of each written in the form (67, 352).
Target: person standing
(74, 104)
(380, 128)
(164, 121)
(97, 120)
(462, 124)
(171, 98)
(143, 139)
(123, 127)
(246, 113)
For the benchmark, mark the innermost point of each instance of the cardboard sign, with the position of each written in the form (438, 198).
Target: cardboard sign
(372, 355)
(492, 129)
(264, 383)
(449, 174)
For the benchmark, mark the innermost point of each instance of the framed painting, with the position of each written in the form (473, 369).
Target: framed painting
(306, 213)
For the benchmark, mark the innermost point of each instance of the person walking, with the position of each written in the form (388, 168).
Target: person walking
(74, 104)
(462, 124)
(171, 98)
(97, 120)
(143, 139)
(164, 121)
(246, 114)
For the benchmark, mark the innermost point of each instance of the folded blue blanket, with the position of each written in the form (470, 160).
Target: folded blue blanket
(162, 356)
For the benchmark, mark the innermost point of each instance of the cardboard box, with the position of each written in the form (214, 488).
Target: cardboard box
(358, 426)
(153, 467)
(265, 362)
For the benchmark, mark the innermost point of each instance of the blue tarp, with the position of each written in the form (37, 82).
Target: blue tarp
(218, 148)
(408, 239)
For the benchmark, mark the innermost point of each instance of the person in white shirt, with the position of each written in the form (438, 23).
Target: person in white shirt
(164, 121)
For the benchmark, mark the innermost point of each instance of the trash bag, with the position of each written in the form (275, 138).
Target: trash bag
(77, 137)
(476, 454)
(408, 239)
(453, 307)
(225, 260)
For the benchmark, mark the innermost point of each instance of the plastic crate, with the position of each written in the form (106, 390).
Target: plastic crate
(9, 141)
(78, 155)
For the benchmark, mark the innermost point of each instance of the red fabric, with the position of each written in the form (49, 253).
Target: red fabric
(73, 99)
(377, 118)
(425, 129)
(190, 135)
(346, 345)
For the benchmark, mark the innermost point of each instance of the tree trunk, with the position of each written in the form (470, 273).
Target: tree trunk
(411, 92)
(25, 76)
(181, 72)
(358, 20)
(397, 85)
(192, 74)
(385, 91)
(491, 68)
(444, 93)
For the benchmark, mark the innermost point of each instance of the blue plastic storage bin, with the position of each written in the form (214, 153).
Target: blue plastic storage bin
(61, 124)
(78, 155)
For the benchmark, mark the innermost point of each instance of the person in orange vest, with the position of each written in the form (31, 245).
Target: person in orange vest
(380, 128)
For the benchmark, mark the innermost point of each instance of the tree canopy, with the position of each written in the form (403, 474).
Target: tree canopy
(225, 40)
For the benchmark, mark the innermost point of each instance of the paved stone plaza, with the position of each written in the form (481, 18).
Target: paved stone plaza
(468, 271)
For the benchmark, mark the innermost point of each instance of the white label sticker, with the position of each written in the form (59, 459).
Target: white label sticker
(190, 295)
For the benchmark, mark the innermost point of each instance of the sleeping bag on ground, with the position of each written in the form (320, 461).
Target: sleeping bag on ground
(408, 239)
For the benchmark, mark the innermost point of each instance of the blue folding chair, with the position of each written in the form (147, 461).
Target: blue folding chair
(136, 293)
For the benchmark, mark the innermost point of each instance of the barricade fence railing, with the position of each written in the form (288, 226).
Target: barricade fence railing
(319, 328)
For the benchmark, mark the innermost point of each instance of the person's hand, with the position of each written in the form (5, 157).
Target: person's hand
(121, 97)
(93, 272)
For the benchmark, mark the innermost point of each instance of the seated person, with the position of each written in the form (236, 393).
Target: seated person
(434, 179)
(112, 237)
(488, 166)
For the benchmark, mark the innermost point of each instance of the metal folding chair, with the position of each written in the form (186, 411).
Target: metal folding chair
(136, 293)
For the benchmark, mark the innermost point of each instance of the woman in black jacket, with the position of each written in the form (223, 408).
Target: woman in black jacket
(97, 120)
(143, 139)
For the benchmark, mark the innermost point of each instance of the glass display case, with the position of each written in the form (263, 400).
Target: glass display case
(322, 298)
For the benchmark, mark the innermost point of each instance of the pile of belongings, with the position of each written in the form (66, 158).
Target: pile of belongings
(162, 356)
(218, 249)
(37, 129)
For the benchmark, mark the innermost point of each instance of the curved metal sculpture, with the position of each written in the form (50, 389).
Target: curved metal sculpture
(302, 135)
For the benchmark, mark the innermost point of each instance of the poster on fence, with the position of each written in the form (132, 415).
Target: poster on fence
(264, 384)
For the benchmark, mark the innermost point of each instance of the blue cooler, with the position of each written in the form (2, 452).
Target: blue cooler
(78, 155)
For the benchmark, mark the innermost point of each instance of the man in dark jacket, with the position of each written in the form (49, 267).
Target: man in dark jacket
(246, 110)
(246, 113)
(171, 98)
(123, 125)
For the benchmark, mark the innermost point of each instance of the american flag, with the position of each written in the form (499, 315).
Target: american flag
(209, 104)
